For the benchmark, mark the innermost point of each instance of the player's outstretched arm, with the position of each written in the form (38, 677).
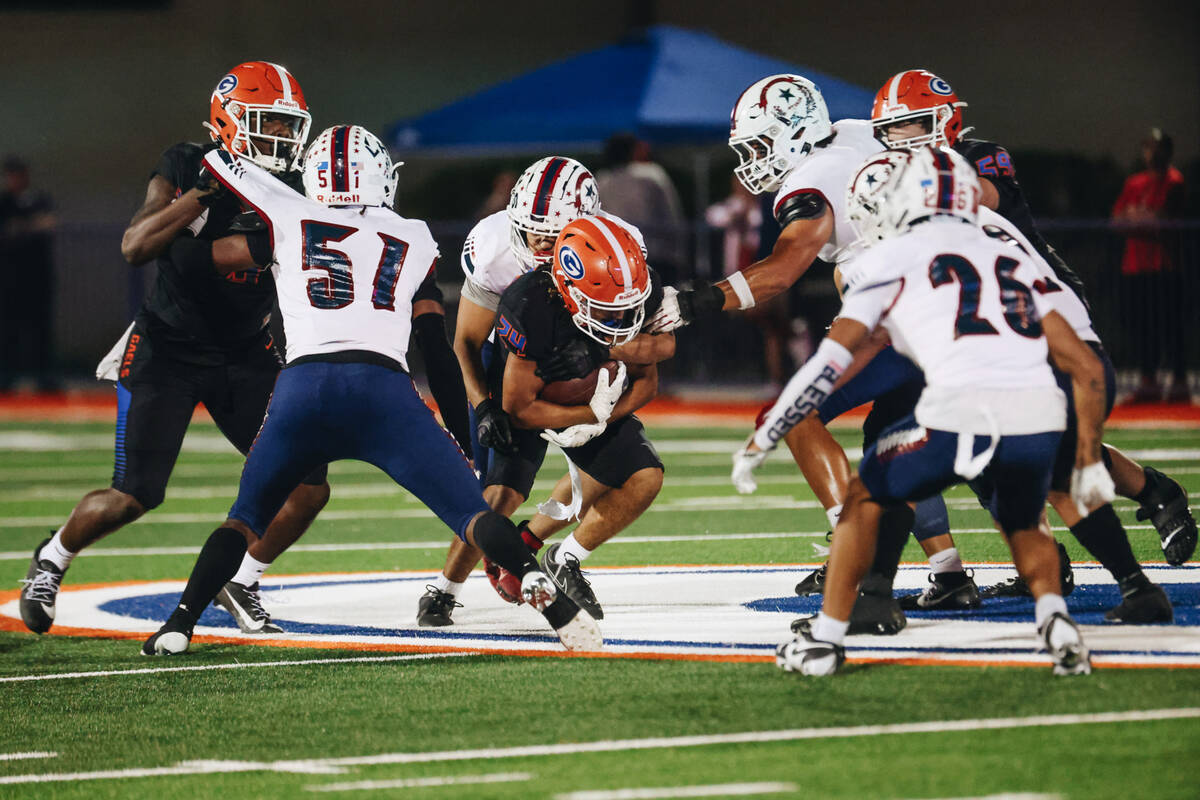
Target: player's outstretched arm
(442, 369)
(158, 221)
(1091, 485)
(472, 329)
(645, 349)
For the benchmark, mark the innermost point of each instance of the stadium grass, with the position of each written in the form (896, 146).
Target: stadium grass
(362, 709)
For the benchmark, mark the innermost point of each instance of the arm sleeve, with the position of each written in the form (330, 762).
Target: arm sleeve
(804, 393)
(444, 376)
(428, 290)
(261, 250)
(801, 204)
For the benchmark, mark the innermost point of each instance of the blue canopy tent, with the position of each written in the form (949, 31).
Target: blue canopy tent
(669, 85)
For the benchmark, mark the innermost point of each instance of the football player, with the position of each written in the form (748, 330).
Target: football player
(501, 248)
(915, 108)
(346, 269)
(786, 144)
(199, 337)
(961, 305)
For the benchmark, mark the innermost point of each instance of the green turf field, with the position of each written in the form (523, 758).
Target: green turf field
(368, 727)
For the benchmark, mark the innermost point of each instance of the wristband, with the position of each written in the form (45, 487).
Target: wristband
(737, 282)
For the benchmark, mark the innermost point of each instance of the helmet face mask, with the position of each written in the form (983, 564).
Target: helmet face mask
(895, 190)
(258, 112)
(917, 95)
(549, 194)
(775, 123)
(348, 165)
(599, 271)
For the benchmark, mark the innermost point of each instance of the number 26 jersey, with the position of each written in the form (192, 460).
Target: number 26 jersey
(345, 276)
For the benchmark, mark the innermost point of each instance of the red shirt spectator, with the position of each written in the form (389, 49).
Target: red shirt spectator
(1148, 196)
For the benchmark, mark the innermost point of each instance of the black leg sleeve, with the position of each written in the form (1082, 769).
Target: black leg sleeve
(894, 527)
(1102, 535)
(218, 561)
(497, 537)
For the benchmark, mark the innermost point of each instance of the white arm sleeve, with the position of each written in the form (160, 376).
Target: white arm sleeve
(804, 393)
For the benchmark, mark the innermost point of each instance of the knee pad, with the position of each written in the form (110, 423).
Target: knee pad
(931, 518)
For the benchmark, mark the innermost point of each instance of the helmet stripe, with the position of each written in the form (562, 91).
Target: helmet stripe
(945, 169)
(340, 158)
(541, 200)
(894, 88)
(285, 79)
(622, 260)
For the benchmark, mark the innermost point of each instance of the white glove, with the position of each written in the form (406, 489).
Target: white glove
(575, 435)
(668, 316)
(604, 399)
(1091, 486)
(744, 464)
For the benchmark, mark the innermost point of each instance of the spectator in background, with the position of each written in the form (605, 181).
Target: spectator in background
(1151, 270)
(497, 200)
(27, 226)
(639, 191)
(740, 216)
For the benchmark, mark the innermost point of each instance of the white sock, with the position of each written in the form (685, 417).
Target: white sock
(250, 571)
(1046, 606)
(832, 513)
(444, 584)
(828, 629)
(945, 561)
(54, 552)
(571, 547)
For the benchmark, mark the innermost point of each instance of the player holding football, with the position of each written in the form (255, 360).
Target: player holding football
(199, 337)
(961, 304)
(501, 248)
(915, 108)
(346, 269)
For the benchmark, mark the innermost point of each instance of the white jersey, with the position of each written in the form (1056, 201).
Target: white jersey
(344, 276)
(488, 261)
(828, 170)
(961, 305)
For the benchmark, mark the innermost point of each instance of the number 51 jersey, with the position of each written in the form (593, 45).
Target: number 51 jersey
(345, 276)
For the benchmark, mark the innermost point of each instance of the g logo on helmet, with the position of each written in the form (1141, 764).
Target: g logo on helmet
(939, 86)
(227, 84)
(570, 262)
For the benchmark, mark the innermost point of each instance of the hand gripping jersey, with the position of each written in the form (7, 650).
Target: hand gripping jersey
(345, 276)
(826, 172)
(961, 306)
(488, 261)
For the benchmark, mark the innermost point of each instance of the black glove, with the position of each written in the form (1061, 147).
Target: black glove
(211, 190)
(695, 303)
(573, 360)
(493, 427)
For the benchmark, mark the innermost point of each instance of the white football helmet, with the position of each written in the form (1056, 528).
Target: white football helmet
(775, 123)
(347, 165)
(548, 195)
(896, 189)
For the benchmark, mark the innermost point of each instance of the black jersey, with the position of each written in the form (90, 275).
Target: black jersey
(532, 322)
(202, 316)
(993, 162)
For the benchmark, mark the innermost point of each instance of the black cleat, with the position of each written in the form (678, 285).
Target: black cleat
(813, 583)
(1142, 603)
(39, 592)
(1167, 509)
(947, 591)
(244, 604)
(172, 638)
(575, 627)
(1015, 586)
(569, 579)
(435, 607)
(876, 611)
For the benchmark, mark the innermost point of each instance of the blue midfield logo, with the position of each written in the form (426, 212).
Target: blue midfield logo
(570, 262)
(227, 84)
(939, 86)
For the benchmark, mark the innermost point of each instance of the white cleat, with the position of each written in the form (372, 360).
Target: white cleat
(1070, 655)
(576, 629)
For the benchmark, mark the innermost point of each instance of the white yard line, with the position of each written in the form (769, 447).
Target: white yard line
(622, 745)
(23, 756)
(56, 676)
(1009, 796)
(711, 790)
(417, 783)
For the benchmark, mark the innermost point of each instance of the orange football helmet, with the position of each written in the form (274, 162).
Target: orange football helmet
(602, 276)
(917, 95)
(258, 112)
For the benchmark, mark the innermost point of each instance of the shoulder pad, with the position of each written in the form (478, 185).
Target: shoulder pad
(801, 204)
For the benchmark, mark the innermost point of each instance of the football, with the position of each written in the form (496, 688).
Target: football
(577, 391)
